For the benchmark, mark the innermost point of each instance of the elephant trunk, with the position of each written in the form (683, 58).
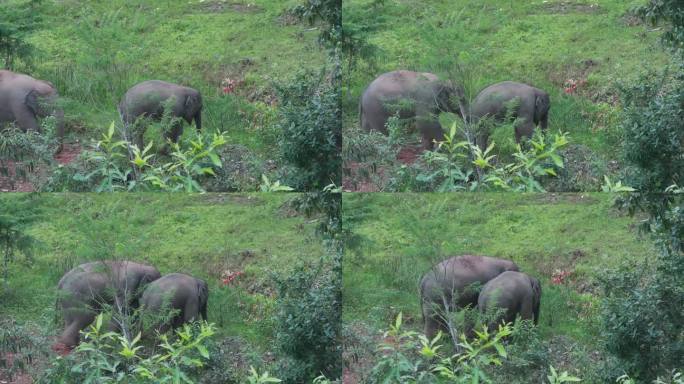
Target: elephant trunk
(198, 120)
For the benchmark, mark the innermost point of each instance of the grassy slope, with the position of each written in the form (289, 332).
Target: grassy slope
(94, 51)
(541, 43)
(403, 234)
(201, 235)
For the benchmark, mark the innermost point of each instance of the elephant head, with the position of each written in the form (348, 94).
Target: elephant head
(193, 108)
(450, 97)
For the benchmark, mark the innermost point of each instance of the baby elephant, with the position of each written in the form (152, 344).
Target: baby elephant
(148, 99)
(515, 293)
(531, 107)
(185, 295)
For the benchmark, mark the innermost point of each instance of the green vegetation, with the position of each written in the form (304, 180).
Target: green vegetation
(578, 51)
(568, 241)
(240, 244)
(236, 53)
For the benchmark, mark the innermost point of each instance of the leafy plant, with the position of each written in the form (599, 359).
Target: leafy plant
(268, 186)
(409, 357)
(462, 165)
(107, 357)
(117, 165)
(264, 378)
(556, 378)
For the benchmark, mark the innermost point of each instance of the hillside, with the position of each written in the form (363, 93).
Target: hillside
(567, 241)
(213, 237)
(577, 51)
(234, 52)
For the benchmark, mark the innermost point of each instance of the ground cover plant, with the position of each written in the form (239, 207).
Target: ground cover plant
(247, 248)
(579, 52)
(568, 241)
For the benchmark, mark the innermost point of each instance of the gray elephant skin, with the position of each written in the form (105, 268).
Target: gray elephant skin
(419, 95)
(85, 290)
(23, 100)
(455, 282)
(515, 294)
(146, 100)
(184, 294)
(532, 108)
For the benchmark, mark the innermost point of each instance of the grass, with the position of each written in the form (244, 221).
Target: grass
(543, 43)
(399, 236)
(201, 235)
(94, 51)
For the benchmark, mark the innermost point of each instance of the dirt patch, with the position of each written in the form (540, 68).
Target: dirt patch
(409, 154)
(12, 180)
(358, 177)
(358, 350)
(69, 153)
(6, 377)
(219, 6)
(563, 7)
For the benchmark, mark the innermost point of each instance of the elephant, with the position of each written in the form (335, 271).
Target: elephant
(24, 99)
(85, 290)
(148, 99)
(515, 293)
(176, 292)
(419, 95)
(453, 283)
(531, 107)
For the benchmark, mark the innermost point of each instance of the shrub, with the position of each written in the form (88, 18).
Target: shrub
(116, 165)
(107, 357)
(310, 124)
(307, 322)
(641, 311)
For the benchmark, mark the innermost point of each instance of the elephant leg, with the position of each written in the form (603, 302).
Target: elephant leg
(481, 140)
(25, 119)
(172, 134)
(74, 323)
(191, 311)
(525, 128)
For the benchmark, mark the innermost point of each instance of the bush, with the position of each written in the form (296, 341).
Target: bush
(116, 165)
(107, 357)
(308, 323)
(642, 309)
(310, 125)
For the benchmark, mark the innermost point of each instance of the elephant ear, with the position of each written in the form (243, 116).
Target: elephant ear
(193, 100)
(31, 101)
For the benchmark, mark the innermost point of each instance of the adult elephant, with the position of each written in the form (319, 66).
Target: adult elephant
(148, 99)
(23, 100)
(454, 283)
(513, 100)
(419, 95)
(511, 294)
(182, 297)
(87, 289)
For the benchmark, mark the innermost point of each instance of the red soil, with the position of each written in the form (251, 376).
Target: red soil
(11, 183)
